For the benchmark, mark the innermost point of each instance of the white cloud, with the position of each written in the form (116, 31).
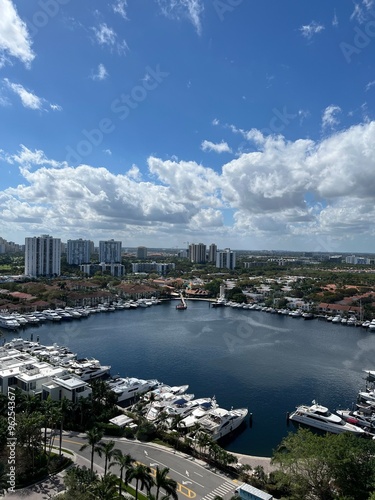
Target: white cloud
(309, 30)
(369, 85)
(119, 8)
(221, 147)
(29, 99)
(329, 117)
(55, 107)
(286, 191)
(101, 73)
(177, 9)
(15, 40)
(335, 21)
(107, 152)
(106, 36)
(358, 13)
(215, 122)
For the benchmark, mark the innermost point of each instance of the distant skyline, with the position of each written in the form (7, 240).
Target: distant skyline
(167, 122)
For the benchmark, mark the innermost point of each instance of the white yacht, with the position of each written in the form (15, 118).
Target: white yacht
(9, 323)
(196, 415)
(320, 417)
(128, 387)
(357, 418)
(51, 315)
(88, 369)
(220, 422)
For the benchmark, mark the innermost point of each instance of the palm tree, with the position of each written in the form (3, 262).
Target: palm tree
(125, 462)
(94, 436)
(104, 488)
(142, 474)
(107, 450)
(162, 481)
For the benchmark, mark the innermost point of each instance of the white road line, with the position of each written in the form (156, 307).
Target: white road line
(177, 472)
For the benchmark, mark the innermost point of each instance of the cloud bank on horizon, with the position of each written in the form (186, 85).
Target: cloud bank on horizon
(188, 121)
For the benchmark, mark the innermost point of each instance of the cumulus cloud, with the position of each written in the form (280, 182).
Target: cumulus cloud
(221, 147)
(190, 9)
(284, 190)
(15, 40)
(309, 30)
(330, 116)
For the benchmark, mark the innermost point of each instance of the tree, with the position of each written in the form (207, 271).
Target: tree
(142, 475)
(104, 488)
(94, 436)
(124, 462)
(77, 482)
(162, 481)
(107, 449)
(333, 466)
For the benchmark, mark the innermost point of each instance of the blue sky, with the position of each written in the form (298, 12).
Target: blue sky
(160, 122)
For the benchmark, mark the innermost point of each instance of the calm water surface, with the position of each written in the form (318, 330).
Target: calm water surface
(265, 362)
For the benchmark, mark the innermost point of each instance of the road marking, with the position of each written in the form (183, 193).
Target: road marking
(181, 488)
(197, 473)
(223, 489)
(177, 472)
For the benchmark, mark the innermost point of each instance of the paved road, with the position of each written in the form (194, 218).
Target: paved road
(195, 479)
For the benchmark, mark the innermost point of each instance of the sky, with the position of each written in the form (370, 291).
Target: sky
(249, 124)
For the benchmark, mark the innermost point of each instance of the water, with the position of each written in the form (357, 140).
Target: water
(266, 362)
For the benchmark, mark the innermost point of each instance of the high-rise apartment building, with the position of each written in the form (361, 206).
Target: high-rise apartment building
(43, 256)
(197, 253)
(212, 251)
(110, 251)
(79, 251)
(142, 253)
(226, 259)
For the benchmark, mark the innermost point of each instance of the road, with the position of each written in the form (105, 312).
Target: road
(195, 479)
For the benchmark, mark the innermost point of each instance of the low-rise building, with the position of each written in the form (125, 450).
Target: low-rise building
(248, 492)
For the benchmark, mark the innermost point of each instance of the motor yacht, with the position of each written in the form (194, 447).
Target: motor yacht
(128, 387)
(88, 369)
(8, 323)
(320, 417)
(219, 422)
(358, 418)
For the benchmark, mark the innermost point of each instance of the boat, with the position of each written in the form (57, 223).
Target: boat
(219, 422)
(197, 413)
(51, 315)
(182, 305)
(357, 417)
(9, 323)
(128, 387)
(337, 319)
(88, 369)
(307, 315)
(319, 417)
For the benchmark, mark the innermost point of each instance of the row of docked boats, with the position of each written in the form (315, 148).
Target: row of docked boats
(14, 321)
(359, 420)
(351, 320)
(171, 406)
